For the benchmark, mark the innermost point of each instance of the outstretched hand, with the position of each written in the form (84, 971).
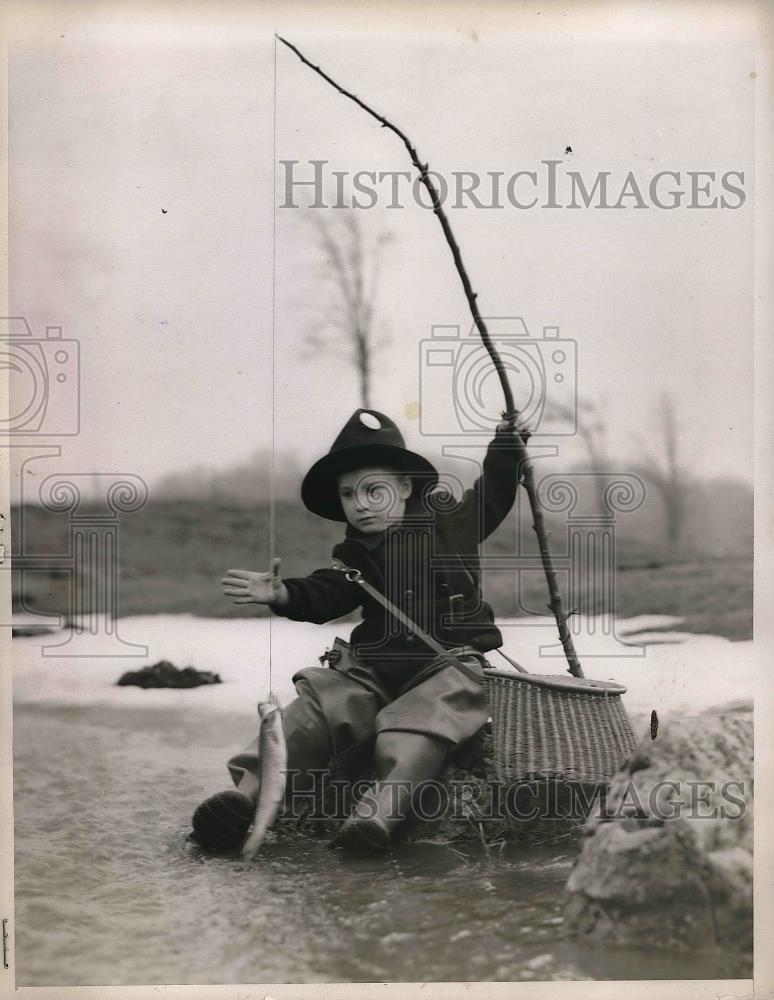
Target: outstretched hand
(247, 587)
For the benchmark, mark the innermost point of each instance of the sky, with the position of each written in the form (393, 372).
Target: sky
(146, 220)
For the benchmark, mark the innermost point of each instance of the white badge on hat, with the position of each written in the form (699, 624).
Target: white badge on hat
(370, 421)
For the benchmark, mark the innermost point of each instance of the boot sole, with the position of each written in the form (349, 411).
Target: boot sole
(363, 836)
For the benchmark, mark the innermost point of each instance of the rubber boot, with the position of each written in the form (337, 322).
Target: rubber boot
(403, 761)
(222, 821)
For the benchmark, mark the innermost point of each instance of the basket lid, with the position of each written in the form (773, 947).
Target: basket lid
(580, 685)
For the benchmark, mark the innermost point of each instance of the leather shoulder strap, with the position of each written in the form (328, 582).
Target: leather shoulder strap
(356, 576)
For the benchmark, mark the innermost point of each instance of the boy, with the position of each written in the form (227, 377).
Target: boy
(418, 548)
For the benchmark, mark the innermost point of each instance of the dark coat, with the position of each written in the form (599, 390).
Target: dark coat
(428, 565)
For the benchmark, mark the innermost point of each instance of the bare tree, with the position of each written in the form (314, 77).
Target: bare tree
(352, 267)
(669, 476)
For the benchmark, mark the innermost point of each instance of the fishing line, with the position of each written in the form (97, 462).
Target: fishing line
(272, 478)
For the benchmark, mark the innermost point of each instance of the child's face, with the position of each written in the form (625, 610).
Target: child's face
(373, 498)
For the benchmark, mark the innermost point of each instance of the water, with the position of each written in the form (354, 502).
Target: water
(109, 891)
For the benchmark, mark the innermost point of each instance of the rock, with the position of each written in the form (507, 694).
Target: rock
(668, 861)
(166, 675)
(24, 631)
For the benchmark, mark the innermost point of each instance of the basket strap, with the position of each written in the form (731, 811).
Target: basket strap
(355, 576)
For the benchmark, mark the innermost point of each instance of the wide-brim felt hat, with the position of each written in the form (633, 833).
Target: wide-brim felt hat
(368, 438)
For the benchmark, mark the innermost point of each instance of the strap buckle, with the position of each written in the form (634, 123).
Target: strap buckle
(330, 656)
(353, 575)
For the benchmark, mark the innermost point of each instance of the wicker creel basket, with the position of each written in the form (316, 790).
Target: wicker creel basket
(554, 727)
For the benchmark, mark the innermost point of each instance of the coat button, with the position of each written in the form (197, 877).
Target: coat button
(444, 588)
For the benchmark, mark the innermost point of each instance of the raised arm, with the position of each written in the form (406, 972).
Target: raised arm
(494, 492)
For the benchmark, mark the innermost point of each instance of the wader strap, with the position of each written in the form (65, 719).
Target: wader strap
(355, 576)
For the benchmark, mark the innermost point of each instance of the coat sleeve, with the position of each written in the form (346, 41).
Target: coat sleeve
(493, 494)
(321, 597)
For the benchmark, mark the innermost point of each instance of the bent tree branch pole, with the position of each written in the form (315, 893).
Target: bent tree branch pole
(556, 604)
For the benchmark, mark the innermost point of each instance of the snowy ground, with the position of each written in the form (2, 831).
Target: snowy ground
(669, 671)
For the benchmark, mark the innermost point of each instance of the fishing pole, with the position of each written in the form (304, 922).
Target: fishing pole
(511, 413)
